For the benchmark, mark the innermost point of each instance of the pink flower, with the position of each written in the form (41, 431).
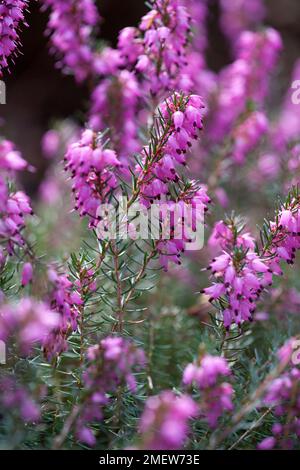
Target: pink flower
(112, 363)
(11, 17)
(267, 444)
(164, 422)
(284, 397)
(66, 301)
(158, 47)
(247, 135)
(10, 158)
(71, 24)
(215, 395)
(50, 143)
(29, 321)
(91, 167)
(240, 15)
(26, 274)
(17, 398)
(115, 101)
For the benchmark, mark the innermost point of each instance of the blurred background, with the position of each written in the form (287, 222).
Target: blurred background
(38, 94)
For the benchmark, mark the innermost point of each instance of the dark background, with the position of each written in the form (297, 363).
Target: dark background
(37, 93)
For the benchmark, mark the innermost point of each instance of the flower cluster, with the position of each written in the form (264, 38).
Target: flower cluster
(241, 273)
(10, 158)
(260, 50)
(283, 395)
(198, 12)
(180, 119)
(28, 322)
(112, 363)
(120, 93)
(16, 397)
(247, 135)
(177, 125)
(91, 168)
(285, 234)
(164, 422)
(287, 128)
(246, 79)
(71, 25)
(157, 49)
(14, 206)
(215, 395)
(181, 222)
(11, 17)
(240, 15)
(66, 302)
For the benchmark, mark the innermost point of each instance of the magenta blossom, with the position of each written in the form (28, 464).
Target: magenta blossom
(112, 363)
(215, 395)
(91, 167)
(164, 422)
(11, 17)
(71, 26)
(28, 322)
(26, 274)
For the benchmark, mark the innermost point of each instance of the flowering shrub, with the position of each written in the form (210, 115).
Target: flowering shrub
(114, 339)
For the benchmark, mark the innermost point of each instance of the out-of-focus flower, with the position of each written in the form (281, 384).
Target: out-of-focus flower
(247, 136)
(16, 398)
(215, 395)
(28, 322)
(114, 105)
(10, 158)
(240, 15)
(66, 301)
(164, 422)
(283, 395)
(71, 25)
(26, 274)
(112, 363)
(50, 143)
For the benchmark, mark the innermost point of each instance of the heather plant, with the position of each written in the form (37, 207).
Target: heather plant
(123, 327)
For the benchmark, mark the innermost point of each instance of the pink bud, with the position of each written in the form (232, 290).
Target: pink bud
(26, 274)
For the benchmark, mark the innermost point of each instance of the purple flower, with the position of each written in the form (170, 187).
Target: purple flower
(164, 422)
(28, 322)
(71, 25)
(283, 396)
(65, 299)
(26, 274)
(158, 47)
(11, 17)
(115, 103)
(215, 395)
(112, 363)
(267, 444)
(16, 398)
(91, 167)
(240, 15)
